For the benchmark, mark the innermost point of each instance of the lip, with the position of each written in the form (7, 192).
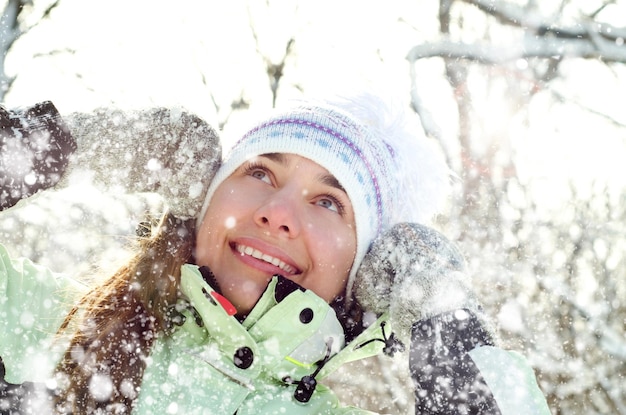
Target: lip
(263, 256)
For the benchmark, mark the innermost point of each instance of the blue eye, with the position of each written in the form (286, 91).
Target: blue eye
(258, 172)
(330, 204)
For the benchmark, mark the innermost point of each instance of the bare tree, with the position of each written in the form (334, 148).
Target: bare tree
(9, 32)
(541, 262)
(274, 66)
(11, 28)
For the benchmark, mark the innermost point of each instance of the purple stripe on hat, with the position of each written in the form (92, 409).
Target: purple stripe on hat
(342, 138)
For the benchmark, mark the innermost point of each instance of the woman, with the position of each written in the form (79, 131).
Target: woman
(245, 305)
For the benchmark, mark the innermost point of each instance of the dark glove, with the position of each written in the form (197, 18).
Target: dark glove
(415, 273)
(35, 145)
(447, 381)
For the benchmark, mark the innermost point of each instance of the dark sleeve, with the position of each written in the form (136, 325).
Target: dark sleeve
(447, 381)
(35, 145)
(458, 370)
(25, 398)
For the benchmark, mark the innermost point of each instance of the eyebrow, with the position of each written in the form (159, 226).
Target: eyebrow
(330, 180)
(327, 179)
(277, 157)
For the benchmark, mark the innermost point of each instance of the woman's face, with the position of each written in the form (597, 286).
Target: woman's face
(278, 214)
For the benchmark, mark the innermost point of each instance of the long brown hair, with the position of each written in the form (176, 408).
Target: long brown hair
(117, 322)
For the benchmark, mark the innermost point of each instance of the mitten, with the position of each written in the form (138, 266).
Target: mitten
(167, 151)
(414, 273)
(35, 145)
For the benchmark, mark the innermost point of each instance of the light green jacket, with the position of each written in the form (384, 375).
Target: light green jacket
(212, 364)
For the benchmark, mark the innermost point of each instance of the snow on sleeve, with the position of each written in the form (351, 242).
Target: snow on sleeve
(33, 304)
(511, 381)
(168, 151)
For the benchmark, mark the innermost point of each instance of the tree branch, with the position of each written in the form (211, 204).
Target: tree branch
(511, 14)
(529, 47)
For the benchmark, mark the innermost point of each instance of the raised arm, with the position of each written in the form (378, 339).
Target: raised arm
(168, 151)
(417, 275)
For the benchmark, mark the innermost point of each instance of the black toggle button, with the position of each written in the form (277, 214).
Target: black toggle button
(305, 389)
(306, 316)
(243, 357)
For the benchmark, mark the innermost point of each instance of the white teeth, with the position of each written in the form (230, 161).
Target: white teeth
(246, 250)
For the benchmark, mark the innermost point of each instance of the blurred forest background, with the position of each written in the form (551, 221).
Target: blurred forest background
(526, 98)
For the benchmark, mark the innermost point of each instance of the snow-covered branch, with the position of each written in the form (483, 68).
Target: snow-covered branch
(512, 14)
(529, 47)
(542, 39)
(608, 340)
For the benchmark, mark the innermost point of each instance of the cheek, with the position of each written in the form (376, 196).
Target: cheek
(223, 210)
(213, 226)
(335, 248)
(345, 249)
(205, 245)
(344, 241)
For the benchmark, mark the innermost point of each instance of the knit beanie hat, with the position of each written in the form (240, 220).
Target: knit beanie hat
(389, 173)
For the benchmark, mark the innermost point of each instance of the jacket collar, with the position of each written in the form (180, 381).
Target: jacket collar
(288, 332)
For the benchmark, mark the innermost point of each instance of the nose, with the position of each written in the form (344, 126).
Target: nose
(279, 215)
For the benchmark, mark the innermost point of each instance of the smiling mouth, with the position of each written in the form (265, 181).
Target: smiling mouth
(255, 253)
